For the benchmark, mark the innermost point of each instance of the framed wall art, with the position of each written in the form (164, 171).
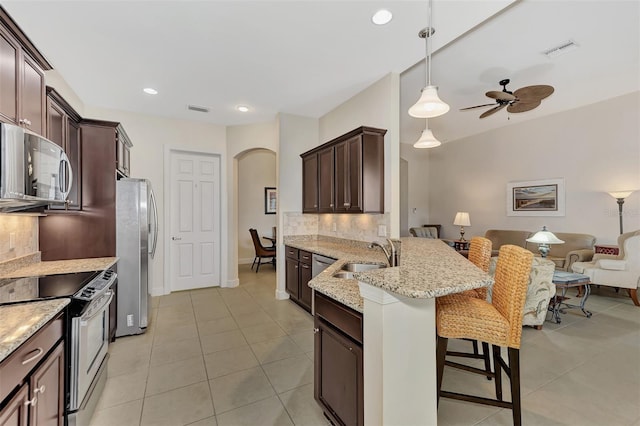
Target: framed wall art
(536, 198)
(270, 200)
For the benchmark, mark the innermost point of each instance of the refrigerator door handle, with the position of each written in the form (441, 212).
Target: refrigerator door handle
(154, 231)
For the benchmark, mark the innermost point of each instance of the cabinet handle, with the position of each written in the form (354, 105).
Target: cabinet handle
(315, 206)
(39, 351)
(351, 349)
(331, 205)
(316, 330)
(28, 122)
(305, 266)
(31, 402)
(41, 389)
(347, 204)
(296, 266)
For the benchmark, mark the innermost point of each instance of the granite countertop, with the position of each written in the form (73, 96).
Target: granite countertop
(428, 268)
(61, 267)
(20, 321)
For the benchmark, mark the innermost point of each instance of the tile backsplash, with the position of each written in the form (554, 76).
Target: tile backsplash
(22, 231)
(360, 227)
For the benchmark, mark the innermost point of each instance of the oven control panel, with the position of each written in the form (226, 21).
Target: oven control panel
(97, 286)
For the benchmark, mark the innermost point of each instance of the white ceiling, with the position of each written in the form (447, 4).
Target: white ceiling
(306, 57)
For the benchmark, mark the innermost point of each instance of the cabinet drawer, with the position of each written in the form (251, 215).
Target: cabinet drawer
(291, 253)
(343, 318)
(304, 256)
(15, 368)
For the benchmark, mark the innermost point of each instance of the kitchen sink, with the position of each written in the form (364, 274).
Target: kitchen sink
(360, 267)
(348, 269)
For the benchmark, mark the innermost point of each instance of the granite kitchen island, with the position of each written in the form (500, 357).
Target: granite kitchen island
(399, 332)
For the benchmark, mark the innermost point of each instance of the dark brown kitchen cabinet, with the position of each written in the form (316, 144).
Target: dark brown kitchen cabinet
(22, 85)
(63, 128)
(32, 379)
(350, 173)
(338, 361)
(298, 275)
(310, 183)
(123, 162)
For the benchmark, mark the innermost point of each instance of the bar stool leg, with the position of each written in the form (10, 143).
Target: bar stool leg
(498, 368)
(514, 366)
(441, 353)
(487, 360)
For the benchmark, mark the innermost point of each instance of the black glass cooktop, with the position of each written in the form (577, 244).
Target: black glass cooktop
(45, 287)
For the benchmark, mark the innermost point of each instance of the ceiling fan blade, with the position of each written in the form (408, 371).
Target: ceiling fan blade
(477, 106)
(533, 93)
(523, 106)
(492, 110)
(501, 96)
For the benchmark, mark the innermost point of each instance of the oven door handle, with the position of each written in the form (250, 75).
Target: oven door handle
(99, 310)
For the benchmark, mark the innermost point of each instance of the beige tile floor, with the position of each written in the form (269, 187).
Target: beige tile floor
(240, 357)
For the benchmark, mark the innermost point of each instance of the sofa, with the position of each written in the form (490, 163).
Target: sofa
(576, 247)
(426, 231)
(621, 271)
(539, 292)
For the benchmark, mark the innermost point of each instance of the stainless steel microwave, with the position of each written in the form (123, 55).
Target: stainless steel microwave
(33, 170)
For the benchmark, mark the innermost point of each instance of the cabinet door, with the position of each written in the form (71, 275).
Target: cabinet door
(47, 385)
(338, 384)
(355, 175)
(56, 123)
(9, 60)
(310, 183)
(127, 161)
(73, 150)
(291, 278)
(325, 180)
(341, 155)
(32, 97)
(16, 413)
(305, 276)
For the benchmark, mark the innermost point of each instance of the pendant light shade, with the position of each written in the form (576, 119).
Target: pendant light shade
(429, 105)
(427, 140)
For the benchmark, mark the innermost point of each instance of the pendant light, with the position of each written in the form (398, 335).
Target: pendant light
(427, 140)
(429, 105)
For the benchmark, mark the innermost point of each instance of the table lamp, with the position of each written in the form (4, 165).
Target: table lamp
(543, 239)
(462, 220)
(620, 196)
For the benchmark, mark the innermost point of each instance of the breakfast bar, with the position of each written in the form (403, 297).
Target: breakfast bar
(398, 307)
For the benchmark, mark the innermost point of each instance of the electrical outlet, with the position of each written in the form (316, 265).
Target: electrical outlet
(130, 320)
(382, 231)
(12, 240)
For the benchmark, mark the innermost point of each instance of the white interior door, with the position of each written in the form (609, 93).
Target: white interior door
(194, 253)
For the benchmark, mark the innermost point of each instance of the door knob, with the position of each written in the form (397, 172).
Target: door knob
(176, 238)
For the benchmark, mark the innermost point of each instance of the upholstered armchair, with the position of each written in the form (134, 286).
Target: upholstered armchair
(539, 292)
(576, 248)
(621, 271)
(426, 231)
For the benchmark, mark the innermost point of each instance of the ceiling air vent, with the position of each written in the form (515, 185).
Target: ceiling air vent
(561, 49)
(197, 108)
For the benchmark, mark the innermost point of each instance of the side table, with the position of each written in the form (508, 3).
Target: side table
(606, 249)
(564, 281)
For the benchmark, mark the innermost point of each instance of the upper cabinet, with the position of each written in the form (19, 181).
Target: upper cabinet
(22, 85)
(63, 128)
(346, 174)
(123, 146)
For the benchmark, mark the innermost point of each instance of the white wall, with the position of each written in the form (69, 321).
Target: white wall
(595, 149)
(418, 183)
(151, 136)
(256, 170)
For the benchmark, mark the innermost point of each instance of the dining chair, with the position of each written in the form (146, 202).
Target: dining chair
(261, 251)
(498, 323)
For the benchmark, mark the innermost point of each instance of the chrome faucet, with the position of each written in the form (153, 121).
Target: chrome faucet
(392, 257)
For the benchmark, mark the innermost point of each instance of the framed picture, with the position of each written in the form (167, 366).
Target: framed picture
(270, 200)
(536, 198)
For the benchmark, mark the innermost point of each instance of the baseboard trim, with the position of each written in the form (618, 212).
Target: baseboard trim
(232, 283)
(281, 295)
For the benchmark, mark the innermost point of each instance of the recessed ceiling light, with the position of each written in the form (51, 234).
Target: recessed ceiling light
(150, 91)
(381, 17)
(242, 108)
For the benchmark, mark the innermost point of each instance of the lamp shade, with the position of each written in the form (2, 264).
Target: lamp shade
(427, 140)
(429, 105)
(620, 194)
(462, 219)
(544, 237)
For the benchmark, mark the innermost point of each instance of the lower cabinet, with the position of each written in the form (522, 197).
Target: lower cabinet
(338, 365)
(35, 396)
(298, 275)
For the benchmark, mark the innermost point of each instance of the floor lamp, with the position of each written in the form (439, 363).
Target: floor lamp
(620, 196)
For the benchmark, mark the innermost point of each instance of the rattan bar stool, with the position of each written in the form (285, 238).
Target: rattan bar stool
(479, 255)
(498, 323)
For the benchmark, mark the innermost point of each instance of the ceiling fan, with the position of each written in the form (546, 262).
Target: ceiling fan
(523, 99)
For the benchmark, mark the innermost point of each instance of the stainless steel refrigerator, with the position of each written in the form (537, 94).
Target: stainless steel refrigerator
(136, 238)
